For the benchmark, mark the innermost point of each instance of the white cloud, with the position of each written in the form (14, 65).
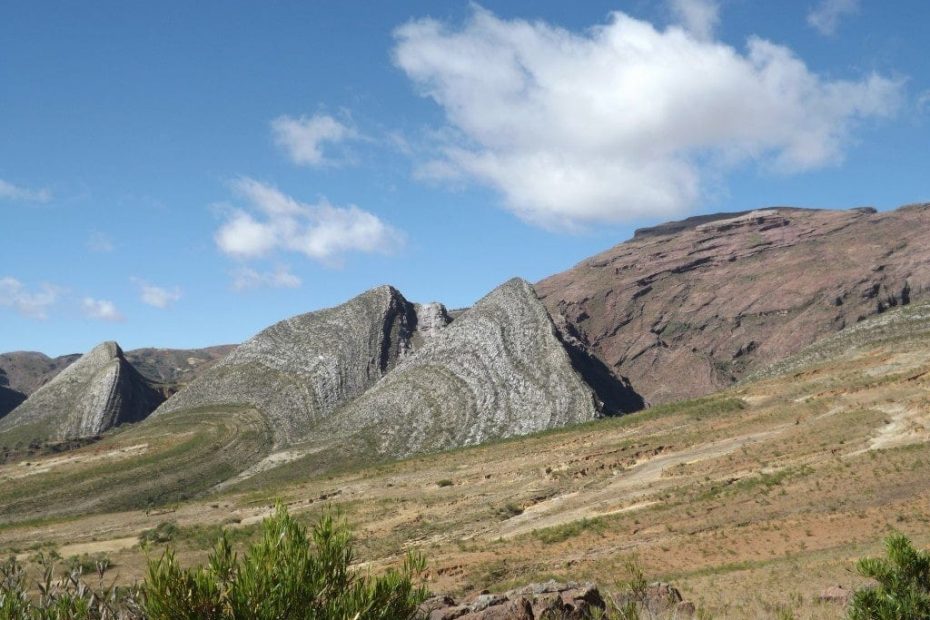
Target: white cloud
(319, 231)
(245, 278)
(625, 120)
(155, 295)
(700, 17)
(303, 138)
(99, 242)
(826, 16)
(101, 309)
(8, 191)
(34, 305)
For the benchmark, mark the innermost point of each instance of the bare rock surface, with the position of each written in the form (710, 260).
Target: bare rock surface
(686, 308)
(499, 370)
(95, 393)
(554, 600)
(300, 370)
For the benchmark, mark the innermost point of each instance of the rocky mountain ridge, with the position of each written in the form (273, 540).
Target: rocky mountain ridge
(688, 307)
(500, 369)
(299, 371)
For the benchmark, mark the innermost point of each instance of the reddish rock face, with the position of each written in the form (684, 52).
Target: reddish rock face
(689, 307)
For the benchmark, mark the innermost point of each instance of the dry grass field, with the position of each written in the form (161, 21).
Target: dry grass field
(751, 501)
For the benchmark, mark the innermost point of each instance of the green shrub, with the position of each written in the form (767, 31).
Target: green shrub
(164, 532)
(903, 590)
(87, 564)
(282, 576)
(444, 483)
(286, 575)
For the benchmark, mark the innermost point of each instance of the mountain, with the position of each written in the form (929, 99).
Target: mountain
(300, 370)
(174, 368)
(689, 307)
(98, 391)
(27, 371)
(500, 369)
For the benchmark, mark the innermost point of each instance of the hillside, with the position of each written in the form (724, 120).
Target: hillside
(97, 392)
(689, 307)
(27, 371)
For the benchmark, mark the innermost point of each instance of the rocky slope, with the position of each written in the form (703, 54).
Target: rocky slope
(27, 371)
(688, 307)
(300, 370)
(97, 392)
(501, 369)
(9, 400)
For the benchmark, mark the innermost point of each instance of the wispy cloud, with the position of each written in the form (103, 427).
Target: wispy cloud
(275, 221)
(305, 138)
(99, 242)
(245, 278)
(101, 309)
(923, 101)
(16, 193)
(31, 304)
(826, 16)
(615, 123)
(156, 296)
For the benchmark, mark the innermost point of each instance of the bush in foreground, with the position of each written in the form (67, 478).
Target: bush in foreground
(903, 590)
(289, 574)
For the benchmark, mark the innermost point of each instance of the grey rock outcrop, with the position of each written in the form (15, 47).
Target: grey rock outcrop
(300, 370)
(501, 369)
(95, 393)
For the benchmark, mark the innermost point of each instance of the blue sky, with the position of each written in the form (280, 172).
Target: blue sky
(183, 174)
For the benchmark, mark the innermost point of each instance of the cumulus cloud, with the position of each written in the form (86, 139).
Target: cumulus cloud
(700, 17)
(156, 296)
(16, 193)
(624, 120)
(245, 278)
(31, 304)
(275, 221)
(303, 138)
(100, 309)
(826, 16)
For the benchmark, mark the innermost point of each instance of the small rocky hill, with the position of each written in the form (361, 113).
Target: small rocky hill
(501, 369)
(97, 392)
(300, 370)
(688, 307)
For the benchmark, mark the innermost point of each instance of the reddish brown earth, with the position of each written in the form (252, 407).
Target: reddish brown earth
(688, 307)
